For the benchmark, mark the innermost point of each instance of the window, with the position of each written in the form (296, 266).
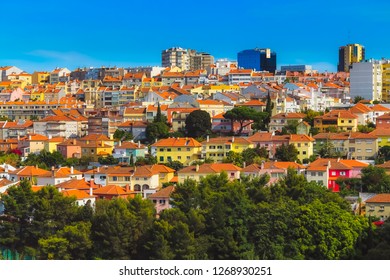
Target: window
(115, 178)
(127, 178)
(313, 173)
(179, 157)
(320, 182)
(188, 157)
(161, 150)
(342, 173)
(304, 152)
(359, 150)
(161, 158)
(232, 174)
(168, 150)
(381, 208)
(333, 173)
(227, 147)
(368, 150)
(188, 149)
(162, 201)
(169, 158)
(179, 149)
(350, 121)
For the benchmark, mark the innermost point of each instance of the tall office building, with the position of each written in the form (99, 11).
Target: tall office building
(176, 57)
(349, 54)
(257, 59)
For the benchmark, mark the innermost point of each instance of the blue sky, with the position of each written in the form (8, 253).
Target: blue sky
(132, 33)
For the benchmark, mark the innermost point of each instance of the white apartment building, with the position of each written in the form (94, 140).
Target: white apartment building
(366, 79)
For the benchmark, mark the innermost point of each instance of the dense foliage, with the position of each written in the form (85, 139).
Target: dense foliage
(212, 219)
(198, 123)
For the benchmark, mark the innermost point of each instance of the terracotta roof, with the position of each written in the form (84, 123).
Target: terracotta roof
(62, 172)
(28, 171)
(381, 132)
(110, 190)
(77, 184)
(133, 124)
(134, 111)
(379, 198)
(335, 114)
(253, 103)
(77, 193)
(35, 137)
(209, 102)
(380, 108)
(165, 192)
(177, 142)
(5, 182)
(227, 140)
(384, 117)
(129, 145)
(339, 164)
(210, 168)
(360, 108)
(261, 137)
(384, 165)
(301, 138)
(95, 137)
(289, 116)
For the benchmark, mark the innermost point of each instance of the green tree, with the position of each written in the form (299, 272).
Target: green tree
(198, 123)
(235, 158)
(177, 165)
(357, 99)
(108, 160)
(268, 109)
(375, 179)
(286, 153)
(156, 130)
(244, 116)
(159, 118)
(122, 135)
(310, 116)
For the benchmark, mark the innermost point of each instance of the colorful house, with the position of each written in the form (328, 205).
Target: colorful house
(219, 147)
(378, 206)
(304, 145)
(128, 151)
(196, 172)
(326, 171)
(185, 150)
(162, 198)
(341, 120)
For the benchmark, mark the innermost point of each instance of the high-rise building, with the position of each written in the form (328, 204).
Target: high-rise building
(176, 57)
(386, 81)
(366, 79)
(349, 54)
(200, 60)
(257, 60)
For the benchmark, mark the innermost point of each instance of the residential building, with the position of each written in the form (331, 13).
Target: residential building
(176, 56)
(58, 74)
(7, 70)
(383, 136)
(32, 143)
(257, 60)
(128, 152)
(197, 172)
(58, 176)
(219, 147)
(200, 60)
(57, 126)
(363, 112)
(366, 80)
(349, 54)
(341, 120)
(29, 173)
(162, 198)
(52, 142)
(112, 191)
(279, 121)
(70, 148)
(82, 198)
(378, 206)
(237, 76)
(185, 150)
(304, 145)
(326, 171)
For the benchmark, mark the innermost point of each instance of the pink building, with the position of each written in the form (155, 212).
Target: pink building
(70, 148)
(162, 198)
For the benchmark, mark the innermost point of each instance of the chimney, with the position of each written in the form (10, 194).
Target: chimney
(127, 188)
(74, 141)
(29, 137)
(6, 168)
(98, 169)
(71, 170)
(91, 183)
(208, 138)
(50, 137)
(262, 165)
(52, 171)
(102, 143)
(233, 139)
(139, 144)
(244, 164)
(18, 137)
(120, 143)
(197, 168)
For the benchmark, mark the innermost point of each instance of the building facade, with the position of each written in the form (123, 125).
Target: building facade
(257, 59)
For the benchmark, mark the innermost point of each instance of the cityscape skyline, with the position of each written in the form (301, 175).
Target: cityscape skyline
(79, 34)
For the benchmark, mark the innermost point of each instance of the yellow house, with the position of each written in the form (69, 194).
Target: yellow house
(383, 135)
(185, 150)
(378, 206)
(341, 120)
(40, 78)
(96, 150)
(213, 107)
(38, 95)
(218, 148)
(32, 143)
(304, 145)
(23, 78)
(211, 89)
(52, 142)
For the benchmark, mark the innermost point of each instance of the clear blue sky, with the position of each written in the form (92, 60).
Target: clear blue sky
(131, 33)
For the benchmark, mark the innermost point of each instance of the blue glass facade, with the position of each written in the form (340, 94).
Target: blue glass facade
(257, 59)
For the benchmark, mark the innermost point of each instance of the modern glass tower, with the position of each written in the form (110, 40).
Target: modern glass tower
(257, 59)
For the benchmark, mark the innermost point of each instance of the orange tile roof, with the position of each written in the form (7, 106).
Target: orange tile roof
(301, 138)
(134, 111)
(289, 116)
(227, 140)
(360, 108)
(177, 142)
(28, 171)
(165, 192)
(77, 184)
(129, 145)
(253, 103)
(384, 117)
(380, 108)
(209, 102)
(110, 190)
(95, 137)
(261, 137)
(379, 198)
(381, 132)
(78, 194)
(210, 168)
